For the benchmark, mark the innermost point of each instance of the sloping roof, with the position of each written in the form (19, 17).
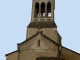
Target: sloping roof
(70, 50)
(42, 24)
(42, 35)
(46, 38)
(28, 38)
(62, 46)
(11, 52)
(50, 39)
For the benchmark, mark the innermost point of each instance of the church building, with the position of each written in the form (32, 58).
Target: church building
(43, 42)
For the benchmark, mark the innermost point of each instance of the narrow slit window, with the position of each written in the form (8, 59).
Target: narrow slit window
(39, 43)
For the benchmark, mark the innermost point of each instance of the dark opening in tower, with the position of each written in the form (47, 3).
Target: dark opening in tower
(48, 9)
(36, 10)
(42, 9)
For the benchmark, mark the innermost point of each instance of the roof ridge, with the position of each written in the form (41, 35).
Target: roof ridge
(43, 24)
(43, 35)
(29, 38)
(71, 50)
(50, 39)
(11, 52)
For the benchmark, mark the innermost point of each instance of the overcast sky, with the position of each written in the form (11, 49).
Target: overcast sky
(15, 15)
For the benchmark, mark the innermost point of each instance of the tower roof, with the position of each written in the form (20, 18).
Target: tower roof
(42, 24)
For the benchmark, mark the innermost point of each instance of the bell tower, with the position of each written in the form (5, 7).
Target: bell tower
(43, 19)
(43, 10)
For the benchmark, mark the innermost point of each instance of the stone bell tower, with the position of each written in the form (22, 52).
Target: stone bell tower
(43, 18)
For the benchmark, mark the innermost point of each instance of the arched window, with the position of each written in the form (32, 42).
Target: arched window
(48, 9)
(38, 43)
(42, 9)
(37, 9)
